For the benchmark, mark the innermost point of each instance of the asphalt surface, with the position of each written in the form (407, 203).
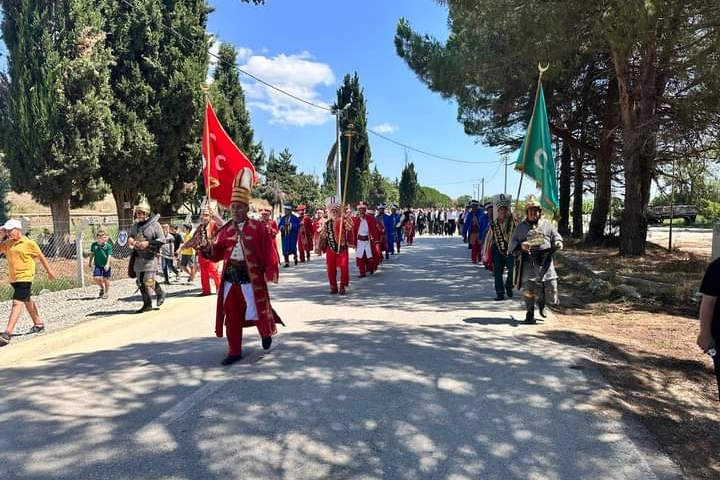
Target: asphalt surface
(415, 374)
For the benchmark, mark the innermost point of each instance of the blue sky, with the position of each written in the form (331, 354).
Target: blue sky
(306, 47)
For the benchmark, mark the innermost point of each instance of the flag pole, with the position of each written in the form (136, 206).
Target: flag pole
(541, 70)
(207, 143)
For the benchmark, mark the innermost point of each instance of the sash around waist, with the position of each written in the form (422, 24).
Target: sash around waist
(363, 238)
(236, 272)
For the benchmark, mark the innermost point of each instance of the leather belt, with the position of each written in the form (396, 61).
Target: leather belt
(364, 238)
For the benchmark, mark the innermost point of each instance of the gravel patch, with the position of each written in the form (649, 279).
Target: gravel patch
(65, 308)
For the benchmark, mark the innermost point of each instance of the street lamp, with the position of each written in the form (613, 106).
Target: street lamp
(338, 112)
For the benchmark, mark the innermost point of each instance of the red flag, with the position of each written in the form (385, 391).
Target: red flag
(222, 159)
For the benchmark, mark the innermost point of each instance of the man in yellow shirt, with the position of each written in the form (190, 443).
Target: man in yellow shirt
(21, 253)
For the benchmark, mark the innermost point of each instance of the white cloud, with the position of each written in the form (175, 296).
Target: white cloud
(385, 128)
(296, 74)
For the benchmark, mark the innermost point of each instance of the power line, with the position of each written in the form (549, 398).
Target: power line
(307, 102)
(449, 159)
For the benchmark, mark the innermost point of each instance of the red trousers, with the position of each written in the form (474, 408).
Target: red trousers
(335, 260)
(365, 264)
(475, 252)
(234, 310)
(208, 270)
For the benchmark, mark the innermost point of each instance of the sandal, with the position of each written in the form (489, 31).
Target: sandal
(37, 328)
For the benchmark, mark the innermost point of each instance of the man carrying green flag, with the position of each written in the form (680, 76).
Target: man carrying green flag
(536, 158)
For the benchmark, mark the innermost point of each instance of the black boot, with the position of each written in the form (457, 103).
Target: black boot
(159, 294)
(541, 309)
(509, 292)
(530, 312)
(266, 342)
(147, 301)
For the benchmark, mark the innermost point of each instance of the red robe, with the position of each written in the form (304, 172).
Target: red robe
(273, 230)
(262, 267)
(305, 234)
(362, 262)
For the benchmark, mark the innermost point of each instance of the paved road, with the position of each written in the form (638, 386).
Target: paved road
(416, 374)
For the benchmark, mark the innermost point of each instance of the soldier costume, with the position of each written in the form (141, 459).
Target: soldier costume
(246, 249)
(305, 234)
(501, 230)
(146, 237)
(533, 243)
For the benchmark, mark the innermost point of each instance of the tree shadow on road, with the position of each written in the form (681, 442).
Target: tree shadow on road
(340, 399)
(646, 387)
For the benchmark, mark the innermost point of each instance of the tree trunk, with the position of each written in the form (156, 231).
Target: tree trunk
(124, 203)
(577, 213)
(61, 243)
(637, 112)
(603, 177)
(565, 181)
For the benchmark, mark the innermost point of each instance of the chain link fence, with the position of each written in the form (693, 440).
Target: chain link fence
(71, 270)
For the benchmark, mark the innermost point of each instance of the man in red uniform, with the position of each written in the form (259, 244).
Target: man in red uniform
(317, 223)
(209, 225)
(365, 233)
(334, 238)
(246, 249)
(305, 234)
(272, 229)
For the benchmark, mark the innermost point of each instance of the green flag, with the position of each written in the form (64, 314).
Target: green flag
(536, 158)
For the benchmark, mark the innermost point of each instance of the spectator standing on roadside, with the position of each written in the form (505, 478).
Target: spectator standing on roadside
(187, 254)
(100, 253)
(709, 336)
(178, 239)
(21, 253)
(167, 254)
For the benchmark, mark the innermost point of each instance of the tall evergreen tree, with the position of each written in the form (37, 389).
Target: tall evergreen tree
(178, 125)
(408, 186)
(59, 121)
(134, 35)
(358, 178)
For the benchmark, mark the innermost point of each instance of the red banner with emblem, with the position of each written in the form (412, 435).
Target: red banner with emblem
(222, 159)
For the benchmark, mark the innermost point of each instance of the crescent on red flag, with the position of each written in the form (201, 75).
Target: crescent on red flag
(222, 159)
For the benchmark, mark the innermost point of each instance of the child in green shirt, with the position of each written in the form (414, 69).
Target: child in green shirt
(100, 253)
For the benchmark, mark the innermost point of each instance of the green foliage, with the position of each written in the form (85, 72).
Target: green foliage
(602, 57)
(58, 121)
(587, 207)
(463, 200)
(408, 186)
(4, 190)
(177, 125)
(358, 178)
(382, 190)
(710, 211)
(283, 183)
(428, 197)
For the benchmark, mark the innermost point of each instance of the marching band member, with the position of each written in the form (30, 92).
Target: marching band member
(305, 234)
(289, 226)
(365, 233)
(246, 249)
(334, 239)
(533, 243)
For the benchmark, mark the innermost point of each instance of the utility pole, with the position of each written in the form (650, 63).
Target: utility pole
(338, 176)
(476, 191)
(482, 196)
